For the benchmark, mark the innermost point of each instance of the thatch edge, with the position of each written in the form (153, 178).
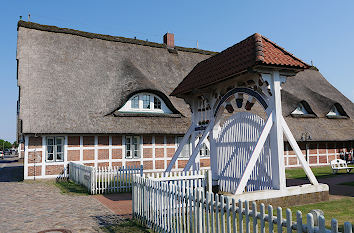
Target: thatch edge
(90, 35)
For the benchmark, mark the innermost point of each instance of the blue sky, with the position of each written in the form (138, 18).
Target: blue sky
(319, 30)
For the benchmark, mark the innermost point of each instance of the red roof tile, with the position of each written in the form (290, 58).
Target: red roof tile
(254, 50)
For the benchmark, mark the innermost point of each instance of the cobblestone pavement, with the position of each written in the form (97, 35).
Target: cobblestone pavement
(38, 206)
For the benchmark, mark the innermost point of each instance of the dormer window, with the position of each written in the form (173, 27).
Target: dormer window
(333, 112)
(145, 103)
(300, 110)
(337, 112)
(303, 109)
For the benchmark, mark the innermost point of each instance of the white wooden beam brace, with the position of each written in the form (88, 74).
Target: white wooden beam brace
(180, 148)
(191, 160)
(255, 154)
(298, 152)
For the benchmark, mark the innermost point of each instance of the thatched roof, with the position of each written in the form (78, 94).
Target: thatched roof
(73, 81)
(312, 87)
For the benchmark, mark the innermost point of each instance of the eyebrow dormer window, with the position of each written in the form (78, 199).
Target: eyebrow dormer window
(145, 103)
(300, 110)
(303, 109)
(337, 111)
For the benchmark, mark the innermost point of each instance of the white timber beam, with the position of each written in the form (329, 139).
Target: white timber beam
(196, 150)
(180, 148)
(298, 152)
(276, 135)
(255, 154)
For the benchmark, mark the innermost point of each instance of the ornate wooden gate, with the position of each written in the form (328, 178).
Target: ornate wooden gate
(235, 144)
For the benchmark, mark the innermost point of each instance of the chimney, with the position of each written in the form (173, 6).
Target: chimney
(169, 40)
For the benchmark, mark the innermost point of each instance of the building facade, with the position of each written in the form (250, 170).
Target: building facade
(105, 101)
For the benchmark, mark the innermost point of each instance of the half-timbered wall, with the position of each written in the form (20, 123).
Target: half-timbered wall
(156, 153)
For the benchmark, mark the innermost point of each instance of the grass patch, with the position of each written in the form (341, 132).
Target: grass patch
(319, 172)
(69, 187)
(341, 209)
(127, 226)
(350, 183)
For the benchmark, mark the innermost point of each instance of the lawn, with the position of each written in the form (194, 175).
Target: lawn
(127, 226)
(319, 172)
(341, 209)
(69, 187)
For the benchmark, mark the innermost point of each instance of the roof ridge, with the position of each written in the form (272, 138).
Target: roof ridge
(283, 49)
(91, 35)
(259, 47)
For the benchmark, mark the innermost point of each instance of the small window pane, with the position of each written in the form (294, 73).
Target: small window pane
(50, 157)
(50, 141)
(157, 103)
(135, 102)
(59, 149)
(146, 101)
(50, 149)
(60, 157)
(59, 141)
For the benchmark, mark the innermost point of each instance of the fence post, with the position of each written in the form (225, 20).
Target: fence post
(254, 214)
(288, 221)
(321, 224)
(347, 227)
(310, 223)
(262, 212)
(279, 220)
(299, 221)
(334, 226)
(270, 218)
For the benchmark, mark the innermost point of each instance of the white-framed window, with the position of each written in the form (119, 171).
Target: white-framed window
(55, 149)
(132, 147)
(145, 102)
(204, 151)
(185, 153)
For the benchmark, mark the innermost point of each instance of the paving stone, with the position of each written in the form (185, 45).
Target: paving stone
(38, 206)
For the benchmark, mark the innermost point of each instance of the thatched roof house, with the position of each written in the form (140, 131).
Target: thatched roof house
(72, 84)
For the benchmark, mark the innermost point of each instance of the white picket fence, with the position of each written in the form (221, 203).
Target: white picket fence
(167, 207)
(188, 180)
(104, 179)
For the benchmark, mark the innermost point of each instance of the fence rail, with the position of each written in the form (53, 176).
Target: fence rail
(167, 207)
(104, 179)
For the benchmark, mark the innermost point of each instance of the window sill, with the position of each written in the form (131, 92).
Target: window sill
(303, 115)
(337, 117)
(147, 114)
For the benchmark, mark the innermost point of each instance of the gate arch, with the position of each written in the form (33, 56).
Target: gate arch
(234, 146)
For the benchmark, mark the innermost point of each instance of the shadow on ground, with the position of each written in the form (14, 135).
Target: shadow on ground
(334, 183)
(11, 170)
(118, 196)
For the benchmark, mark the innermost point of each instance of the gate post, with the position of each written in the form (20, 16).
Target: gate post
(276, 133)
